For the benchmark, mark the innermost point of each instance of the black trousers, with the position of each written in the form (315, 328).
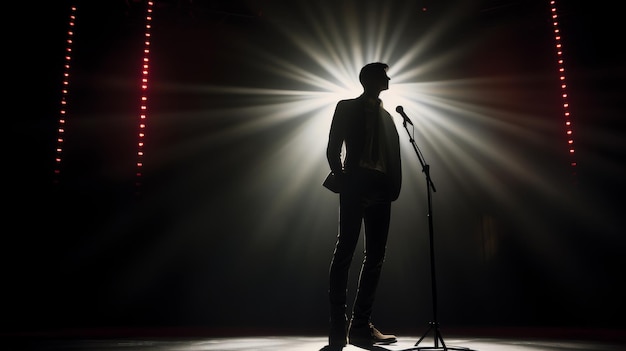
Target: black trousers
(364, 200)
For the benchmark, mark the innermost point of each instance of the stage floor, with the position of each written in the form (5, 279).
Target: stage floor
(300, 343)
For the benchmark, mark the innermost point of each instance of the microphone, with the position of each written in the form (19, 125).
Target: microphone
(400, 110)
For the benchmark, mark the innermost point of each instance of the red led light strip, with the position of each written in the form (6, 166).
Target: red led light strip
(145, 69)
(564, 95)
(64, 93)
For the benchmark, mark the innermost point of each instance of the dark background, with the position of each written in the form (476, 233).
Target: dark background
(214, 239)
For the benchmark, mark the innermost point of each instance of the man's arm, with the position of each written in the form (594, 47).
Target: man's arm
(335, 140)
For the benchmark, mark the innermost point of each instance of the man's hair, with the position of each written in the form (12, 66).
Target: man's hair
(371, 70)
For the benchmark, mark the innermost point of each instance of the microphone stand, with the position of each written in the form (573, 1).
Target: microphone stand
(434, 324)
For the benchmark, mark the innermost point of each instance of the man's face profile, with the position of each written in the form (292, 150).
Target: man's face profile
(384, 80)
(380, 80)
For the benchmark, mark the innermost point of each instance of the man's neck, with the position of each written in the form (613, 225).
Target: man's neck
(372, 94)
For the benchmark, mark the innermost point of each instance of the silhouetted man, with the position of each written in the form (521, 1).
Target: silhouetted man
(369, 176)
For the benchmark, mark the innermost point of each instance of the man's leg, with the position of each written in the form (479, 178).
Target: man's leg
(377, 218)
(350, 218)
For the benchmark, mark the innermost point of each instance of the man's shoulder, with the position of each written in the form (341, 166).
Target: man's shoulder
(347, 103)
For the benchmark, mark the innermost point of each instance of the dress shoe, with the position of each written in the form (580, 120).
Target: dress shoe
(368, 335)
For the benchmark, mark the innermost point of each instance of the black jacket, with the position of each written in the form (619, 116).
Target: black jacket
(348, 126)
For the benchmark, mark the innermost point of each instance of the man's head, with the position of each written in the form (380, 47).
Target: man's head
(373, 77)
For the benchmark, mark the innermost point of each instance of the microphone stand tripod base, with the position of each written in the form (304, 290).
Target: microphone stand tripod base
(438, 341)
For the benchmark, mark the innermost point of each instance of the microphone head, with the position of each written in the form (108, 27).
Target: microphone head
(399, 109)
